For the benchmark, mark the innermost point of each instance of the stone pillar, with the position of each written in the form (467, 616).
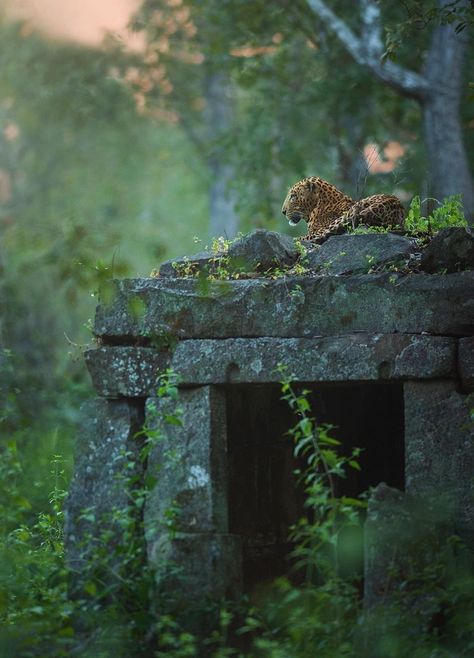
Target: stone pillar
(439, 451)
(402, 538)
(406, 531)
(106, 462)
(186, 513)
(385, 532)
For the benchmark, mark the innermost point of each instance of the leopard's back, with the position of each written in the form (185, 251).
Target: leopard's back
(378, 210)
(383, 210)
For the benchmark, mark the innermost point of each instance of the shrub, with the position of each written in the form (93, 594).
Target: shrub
(449, 213)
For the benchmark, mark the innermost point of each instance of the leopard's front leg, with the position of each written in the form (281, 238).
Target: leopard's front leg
(340, 224)
(336, 228)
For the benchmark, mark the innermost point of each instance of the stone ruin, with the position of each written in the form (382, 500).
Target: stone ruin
(380, 330)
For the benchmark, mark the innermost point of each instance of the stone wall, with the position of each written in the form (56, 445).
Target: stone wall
(386, 348)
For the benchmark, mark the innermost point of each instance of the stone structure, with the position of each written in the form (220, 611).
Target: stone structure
(388, 354)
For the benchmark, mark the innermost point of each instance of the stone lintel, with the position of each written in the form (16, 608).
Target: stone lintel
(132, 371)
(439, 450)
(187, 465)
(290, 306)
(466, 361)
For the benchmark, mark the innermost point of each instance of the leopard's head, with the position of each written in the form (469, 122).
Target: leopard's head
(300, 200)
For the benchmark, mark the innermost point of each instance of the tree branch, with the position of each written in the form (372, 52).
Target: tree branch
(372, 29)
(367, 50)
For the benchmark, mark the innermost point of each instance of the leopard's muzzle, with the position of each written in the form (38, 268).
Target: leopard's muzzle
(294, 218)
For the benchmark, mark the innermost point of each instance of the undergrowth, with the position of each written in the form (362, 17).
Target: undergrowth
(448, 214)
(113, 608)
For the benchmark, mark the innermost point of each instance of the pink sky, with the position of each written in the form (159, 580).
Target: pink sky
(79, 20)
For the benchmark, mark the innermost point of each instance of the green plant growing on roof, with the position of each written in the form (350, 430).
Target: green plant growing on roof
(448, 214)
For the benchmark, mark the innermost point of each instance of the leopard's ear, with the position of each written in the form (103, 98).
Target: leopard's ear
(312, 185)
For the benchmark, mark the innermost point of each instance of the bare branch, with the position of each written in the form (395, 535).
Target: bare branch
(372, 28)
(367, 50)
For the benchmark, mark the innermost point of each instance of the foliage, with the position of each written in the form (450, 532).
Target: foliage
(7, 393)
(278, 68)
(112, 607)
(34, 606)
(89, 189)
(84, 123)
(114, 611)
(317, 537)
(420, 16)
(447, 214)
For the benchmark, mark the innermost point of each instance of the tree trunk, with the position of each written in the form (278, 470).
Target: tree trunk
(352, 165)
(219, 115)
(449, 171)
(223, 218)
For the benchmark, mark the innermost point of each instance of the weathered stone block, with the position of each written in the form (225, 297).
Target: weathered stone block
(258, 251)
(353, 357)
(132, 371)
(344, 254)
(451, 250)
(126, 371)
(188, 462)
(292, 306)
(186, 512)
(439, 449)
(466, 361)
(98, 499)
(198, 565)
(261, 250)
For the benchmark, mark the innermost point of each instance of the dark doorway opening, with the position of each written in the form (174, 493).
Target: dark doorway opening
(264, 498)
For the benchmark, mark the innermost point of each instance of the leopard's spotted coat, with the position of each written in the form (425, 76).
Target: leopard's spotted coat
(328, 211)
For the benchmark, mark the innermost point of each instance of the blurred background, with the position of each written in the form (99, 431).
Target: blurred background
(133, 131)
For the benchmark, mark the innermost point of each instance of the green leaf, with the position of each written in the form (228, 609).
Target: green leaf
(327, 440)
(330, 457)
(22, 502)
(67, 631)
(303, 404)
(354, 502)
(90, 588)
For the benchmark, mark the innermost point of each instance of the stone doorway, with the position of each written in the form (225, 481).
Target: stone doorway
(263, 494)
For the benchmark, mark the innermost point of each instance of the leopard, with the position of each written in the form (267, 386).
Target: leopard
(328, 211)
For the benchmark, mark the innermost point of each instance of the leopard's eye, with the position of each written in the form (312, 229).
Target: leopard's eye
(293, 196)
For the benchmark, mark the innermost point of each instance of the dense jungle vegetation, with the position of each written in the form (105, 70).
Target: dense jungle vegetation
(112, 161)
